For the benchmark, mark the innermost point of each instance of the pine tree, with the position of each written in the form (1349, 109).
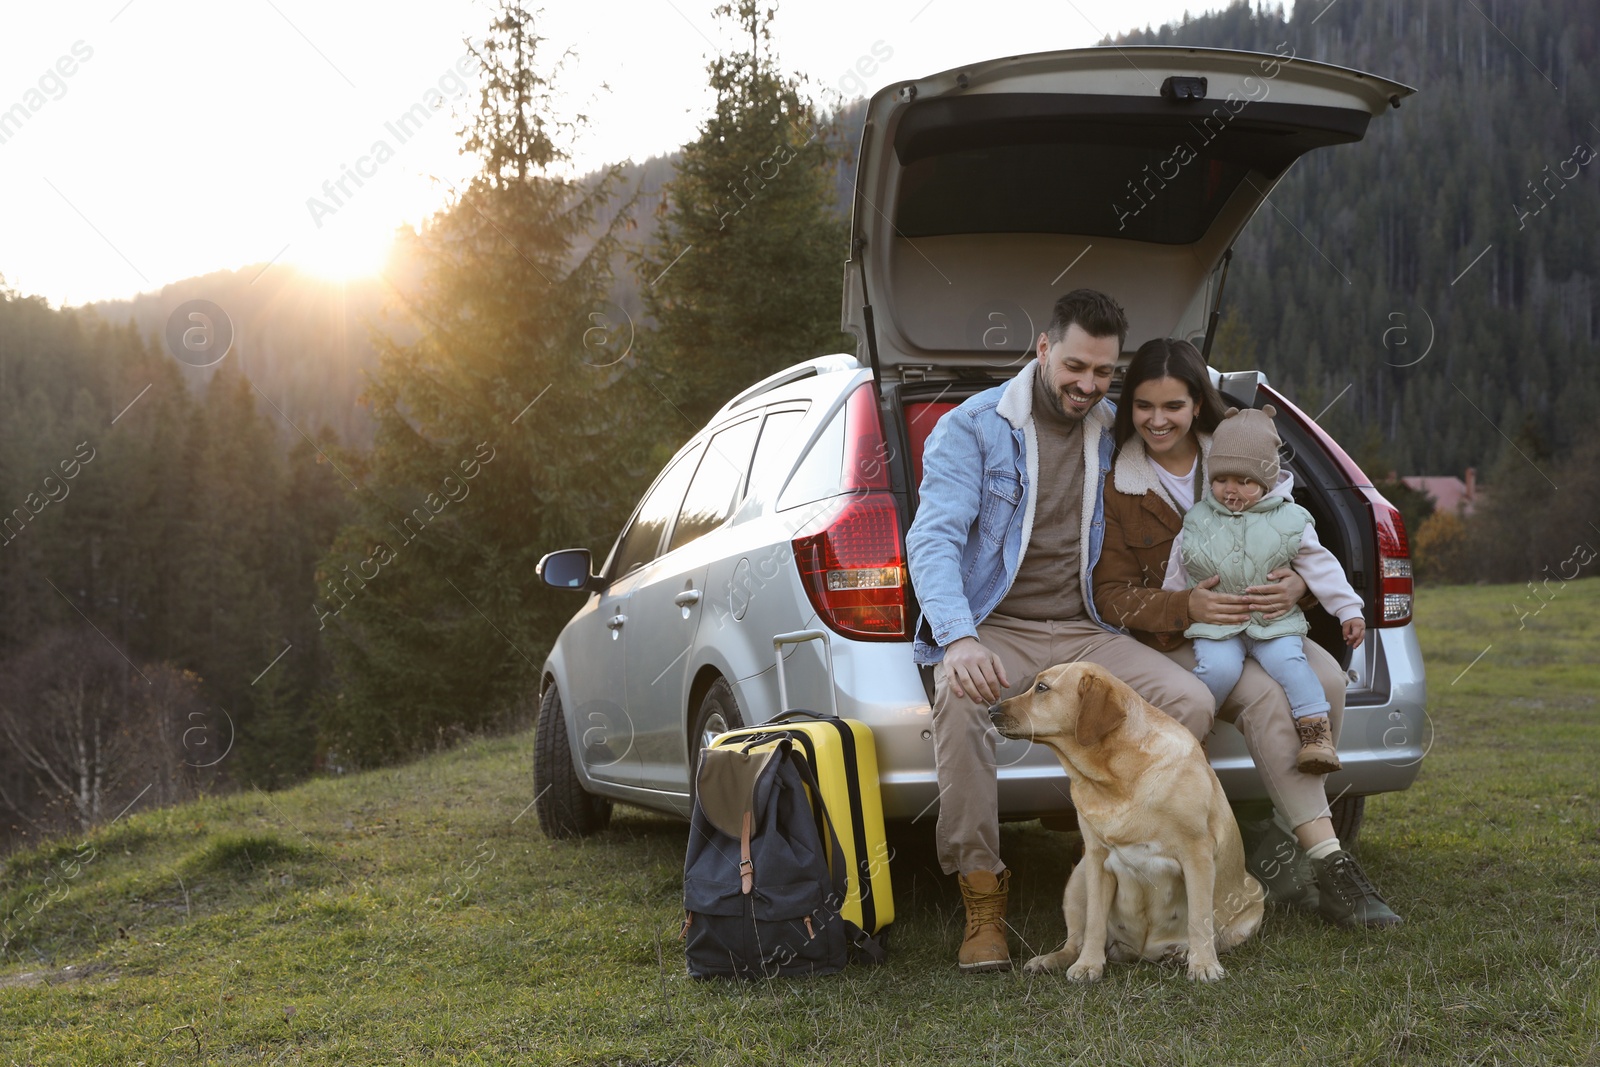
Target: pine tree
(744, 276)
(500, 436)
(1234, 347)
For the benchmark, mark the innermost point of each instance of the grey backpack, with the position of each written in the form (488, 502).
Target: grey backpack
(759, 900)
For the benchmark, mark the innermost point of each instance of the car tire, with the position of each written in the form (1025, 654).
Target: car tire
(1348, 813)
(718, 713)
(564, 807)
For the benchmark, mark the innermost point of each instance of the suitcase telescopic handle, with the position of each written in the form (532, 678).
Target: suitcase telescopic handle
(800, 637)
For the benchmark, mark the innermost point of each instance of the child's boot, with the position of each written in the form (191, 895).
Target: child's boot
(1317, 754)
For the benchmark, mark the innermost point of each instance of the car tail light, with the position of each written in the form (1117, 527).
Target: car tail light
(852, 561)
(1394, 562)
(865, 451)
(854, 569)
(1391, 591)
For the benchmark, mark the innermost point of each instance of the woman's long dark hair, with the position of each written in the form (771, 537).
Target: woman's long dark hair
(1168, 357)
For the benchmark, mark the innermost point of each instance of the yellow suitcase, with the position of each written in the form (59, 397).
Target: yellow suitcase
(845, 762)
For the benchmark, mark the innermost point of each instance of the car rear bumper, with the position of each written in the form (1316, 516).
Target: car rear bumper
(1384, 737)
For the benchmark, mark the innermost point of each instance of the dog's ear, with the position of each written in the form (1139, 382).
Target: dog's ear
(1099, 709)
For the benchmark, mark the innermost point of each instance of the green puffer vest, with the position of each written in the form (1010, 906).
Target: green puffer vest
(1243, 547)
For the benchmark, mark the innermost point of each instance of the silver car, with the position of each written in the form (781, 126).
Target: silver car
(982, 193)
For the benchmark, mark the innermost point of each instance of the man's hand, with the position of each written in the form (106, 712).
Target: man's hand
(969, 667)
(1354, 631)
(1219, 609)
(1275, 600)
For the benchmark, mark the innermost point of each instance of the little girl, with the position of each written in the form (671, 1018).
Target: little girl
(1243, 529)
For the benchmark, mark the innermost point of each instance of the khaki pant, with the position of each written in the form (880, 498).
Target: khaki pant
(964, 741)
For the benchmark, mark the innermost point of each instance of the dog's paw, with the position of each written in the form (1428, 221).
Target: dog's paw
(1083, 971)
(1205, 972)
(1050, 961)
(1061, 958)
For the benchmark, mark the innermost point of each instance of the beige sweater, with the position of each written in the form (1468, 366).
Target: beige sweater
(1046, 586)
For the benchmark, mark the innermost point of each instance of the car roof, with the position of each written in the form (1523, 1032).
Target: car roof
(792, 383)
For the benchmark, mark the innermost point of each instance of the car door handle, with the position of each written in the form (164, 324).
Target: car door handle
(615, 622)
(687, 597)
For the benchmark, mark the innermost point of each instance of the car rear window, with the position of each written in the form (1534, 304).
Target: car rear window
(1138, 167)
(1135, 192)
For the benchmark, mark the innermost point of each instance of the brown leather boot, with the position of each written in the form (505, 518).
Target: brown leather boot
(983, 946)
(1317, 754)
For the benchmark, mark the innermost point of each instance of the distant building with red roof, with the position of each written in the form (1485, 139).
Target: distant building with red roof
(1449, 493)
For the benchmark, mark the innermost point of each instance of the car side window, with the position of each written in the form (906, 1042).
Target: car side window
(776, 452)
(819, 474)
(641, 541)
(716, 485)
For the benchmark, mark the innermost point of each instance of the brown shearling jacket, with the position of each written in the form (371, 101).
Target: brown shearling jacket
(1141, 523)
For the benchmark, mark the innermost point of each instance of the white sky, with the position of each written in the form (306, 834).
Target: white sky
(194, 133)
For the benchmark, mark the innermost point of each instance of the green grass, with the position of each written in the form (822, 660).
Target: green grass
(417, 915)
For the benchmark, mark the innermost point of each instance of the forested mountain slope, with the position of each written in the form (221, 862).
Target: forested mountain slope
(1444, 271)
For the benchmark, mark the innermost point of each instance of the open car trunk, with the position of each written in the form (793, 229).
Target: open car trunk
(986, 191)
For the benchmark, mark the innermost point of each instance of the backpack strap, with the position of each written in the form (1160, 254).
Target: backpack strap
(747, 869)
(868, 948)
(799, 713)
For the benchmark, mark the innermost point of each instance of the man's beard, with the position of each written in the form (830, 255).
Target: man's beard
(1058, 403)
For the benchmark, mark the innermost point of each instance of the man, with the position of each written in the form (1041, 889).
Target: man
(1008, 529)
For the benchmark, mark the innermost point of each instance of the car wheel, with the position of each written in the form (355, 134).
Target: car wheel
(1348, 813)
(718, 713)
(564, 808)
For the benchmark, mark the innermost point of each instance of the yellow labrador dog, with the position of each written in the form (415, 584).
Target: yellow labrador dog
(1163, 872)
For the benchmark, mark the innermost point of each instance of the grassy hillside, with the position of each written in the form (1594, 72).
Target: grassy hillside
(417, 915)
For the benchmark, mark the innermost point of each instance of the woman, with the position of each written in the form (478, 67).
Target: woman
(1163, 432)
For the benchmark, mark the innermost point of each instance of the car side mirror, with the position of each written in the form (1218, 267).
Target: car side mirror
(568, 569)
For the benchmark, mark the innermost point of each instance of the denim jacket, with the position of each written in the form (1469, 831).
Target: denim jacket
(976, 510)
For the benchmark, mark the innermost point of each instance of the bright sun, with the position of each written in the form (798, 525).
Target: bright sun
(341, 254)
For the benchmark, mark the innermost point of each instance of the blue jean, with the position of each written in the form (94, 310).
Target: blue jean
(1219, 662)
